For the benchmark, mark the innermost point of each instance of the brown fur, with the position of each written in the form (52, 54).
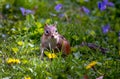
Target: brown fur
(51, 39)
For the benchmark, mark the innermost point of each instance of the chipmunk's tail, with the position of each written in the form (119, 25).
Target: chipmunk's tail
(66, 47)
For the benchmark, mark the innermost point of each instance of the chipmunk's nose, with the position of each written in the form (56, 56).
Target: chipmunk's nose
(52, 36)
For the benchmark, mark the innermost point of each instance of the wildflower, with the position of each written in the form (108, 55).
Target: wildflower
(27, 77)
(103, 5)
(10, 60)
(50, 55)
(119, 36)
(61, 15)
(58, 7)
(15, 49)
(86, 10)
(20, 43)
(26, 11)
(93, 63)
(16, 61)
(13, 61)
(106, 28)
(119, 33)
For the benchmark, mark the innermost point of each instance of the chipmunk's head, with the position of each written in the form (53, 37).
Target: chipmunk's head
(51, 31)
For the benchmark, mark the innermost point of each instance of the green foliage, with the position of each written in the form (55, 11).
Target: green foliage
(20, 39)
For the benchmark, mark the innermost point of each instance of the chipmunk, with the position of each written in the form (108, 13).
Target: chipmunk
(52, 40)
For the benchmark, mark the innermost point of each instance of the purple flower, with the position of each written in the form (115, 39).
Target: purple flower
(86, 10)
(119, 33)
(110, 4)
(61, 15)
(103, 5)
(119, 36)
(26, 11)
(58, 7)
(105, 28)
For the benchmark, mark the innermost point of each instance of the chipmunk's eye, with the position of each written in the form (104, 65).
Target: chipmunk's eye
(46, 31)
(56, 31)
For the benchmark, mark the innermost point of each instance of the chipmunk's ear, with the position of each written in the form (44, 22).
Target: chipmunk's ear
(45, 26)
(55, 24)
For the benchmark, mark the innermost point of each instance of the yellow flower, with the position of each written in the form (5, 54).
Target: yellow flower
(17, 61)
(27, 77)
(52, 55)
(13, 61)
(20, 43)
(10, 60)
(15, 49)
(90, 65)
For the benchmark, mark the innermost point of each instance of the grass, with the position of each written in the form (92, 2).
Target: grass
(20, 40)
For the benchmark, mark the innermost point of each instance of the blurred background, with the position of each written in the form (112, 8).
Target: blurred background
(91, 21)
